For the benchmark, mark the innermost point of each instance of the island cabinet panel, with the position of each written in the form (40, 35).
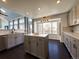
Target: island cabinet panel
(34, 45)
(37, 46)
(27, 44)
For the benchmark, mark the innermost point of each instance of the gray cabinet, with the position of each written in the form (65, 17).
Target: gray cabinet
(37, 46)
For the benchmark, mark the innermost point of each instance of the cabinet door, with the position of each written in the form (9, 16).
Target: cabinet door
(77, 44)
(72, 16)
(2, 42)
(68, 43)
(40, 45)
(11, 41)
(34, 45)
(77, 12)
(19, 39)
(73, 48)
(27, 44)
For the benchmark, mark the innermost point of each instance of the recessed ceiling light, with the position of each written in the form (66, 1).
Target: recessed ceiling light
(4, 0)
(2, 10)
(39, 9)
(58, 1)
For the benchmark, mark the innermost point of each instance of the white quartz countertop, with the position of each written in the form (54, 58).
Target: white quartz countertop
(74, 35)
(38, 35)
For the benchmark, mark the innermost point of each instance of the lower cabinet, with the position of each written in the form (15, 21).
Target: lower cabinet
(36, 46)
(2, 43)
(19, 38)
(13, 40)
(10, 41)
(77, 43)
(73, 48)
(72, 45)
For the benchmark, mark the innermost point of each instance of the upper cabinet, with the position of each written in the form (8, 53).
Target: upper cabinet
(77, 12)
(73, 18)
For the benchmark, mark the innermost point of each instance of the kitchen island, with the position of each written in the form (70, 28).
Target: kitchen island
(37, 45)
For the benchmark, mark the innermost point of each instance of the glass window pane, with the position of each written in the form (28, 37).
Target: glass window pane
(54, 27)
(47, 28)
(40, 29)
(11, 27)
(21, 26)
(16, 22)
(35, 27)
(11, 23)
(15, 27)
(21, 21)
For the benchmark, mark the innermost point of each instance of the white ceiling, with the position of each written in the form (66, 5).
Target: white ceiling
(48, 7)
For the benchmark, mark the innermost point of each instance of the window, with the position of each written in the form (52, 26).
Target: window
(40, 29)
(21, 21)
(11, 26)
(15, 22)
(11, 22)
(35, 27)
(54, 28)
(21, 26)
(48, 27)
(30, 25)
(15, 27)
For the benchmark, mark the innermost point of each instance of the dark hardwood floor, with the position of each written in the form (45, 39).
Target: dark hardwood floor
(57, 50)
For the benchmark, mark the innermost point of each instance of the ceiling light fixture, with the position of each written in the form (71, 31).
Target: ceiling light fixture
(39, 9)
(4, 0)
(58, 1)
